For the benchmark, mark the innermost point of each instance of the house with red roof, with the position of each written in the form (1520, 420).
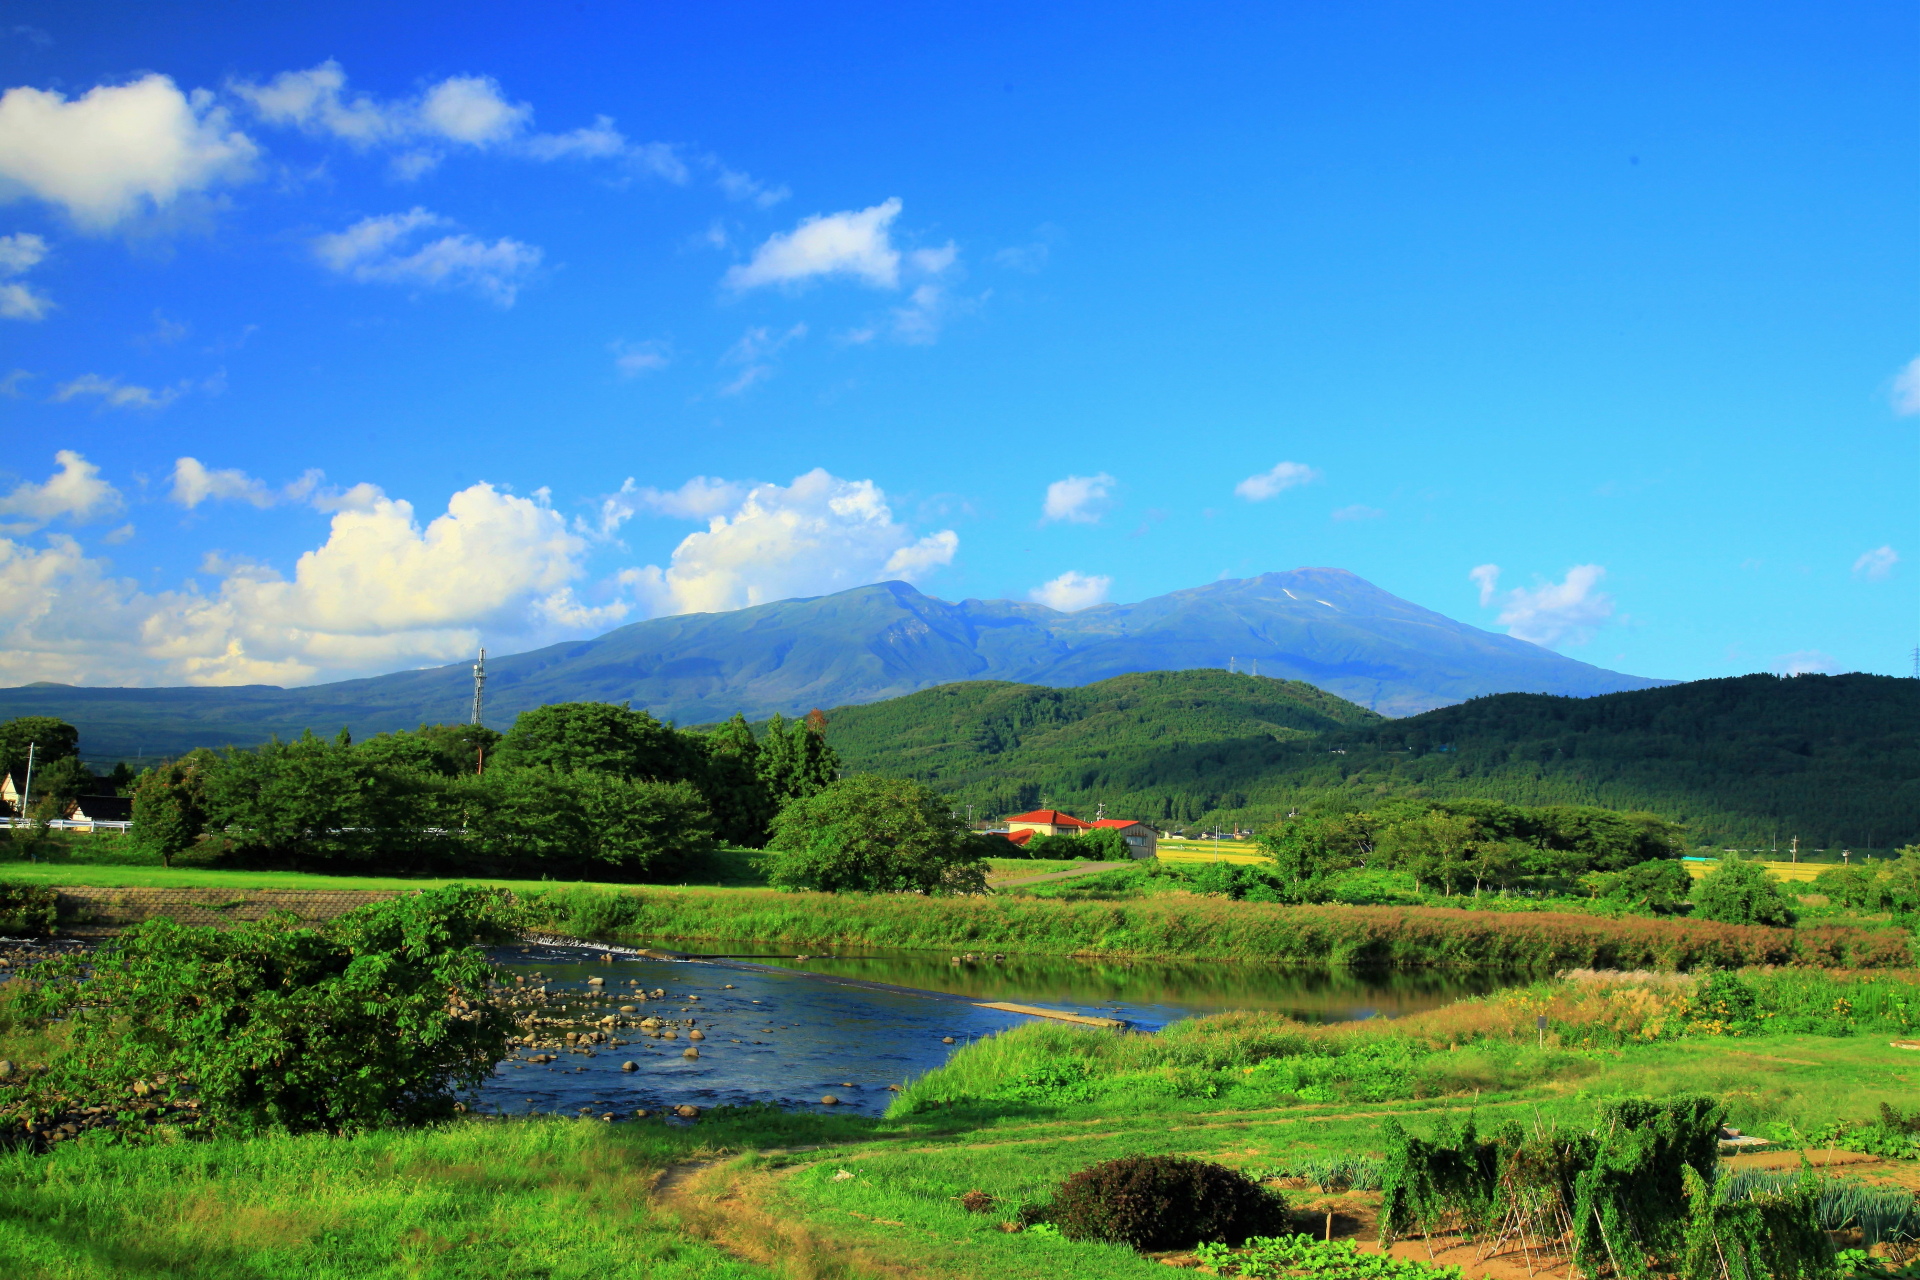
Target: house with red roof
(1047, 822)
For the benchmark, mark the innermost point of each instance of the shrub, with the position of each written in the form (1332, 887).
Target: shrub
(1720, 1003)
(377, 1019)
(875, 835)
(1660, 886)
(1164, 1202)
(1741, 892)
(583, 911)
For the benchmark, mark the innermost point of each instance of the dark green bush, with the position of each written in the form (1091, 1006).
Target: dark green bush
(1741, 892)
(1165, 1202)
(380, 1018)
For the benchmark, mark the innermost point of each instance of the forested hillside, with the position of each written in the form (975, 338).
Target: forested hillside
(1744, 761)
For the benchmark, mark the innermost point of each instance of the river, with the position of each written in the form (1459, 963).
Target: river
(775, 1034)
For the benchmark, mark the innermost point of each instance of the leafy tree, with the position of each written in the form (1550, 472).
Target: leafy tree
(795, 761)
(169, 807)
(377, 1019)
(1436, 849)
(584, 821)
(874, 835)
(1859, 887)
(567, 736)
(1661, 886)
(62, 782)
(1903, 881)
(450, 750)
(1741, 892)
(51, 739)
(314, 799)
(1102, 844)
(743, 806)
(1308, 847)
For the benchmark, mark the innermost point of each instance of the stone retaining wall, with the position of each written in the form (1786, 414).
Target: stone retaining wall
(105, 911)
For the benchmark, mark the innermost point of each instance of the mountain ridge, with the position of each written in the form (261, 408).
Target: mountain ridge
(1327, 627)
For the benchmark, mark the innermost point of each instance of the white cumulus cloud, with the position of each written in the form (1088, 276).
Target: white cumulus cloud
(383, 591)
(1072, 591)
(766, 542)
(1269, 484)
(1877, 565)
(390, 250)
(1569, 611)
(194, 483)
(854, 243)
(1078, 499)
(119, 150)
(75, 491)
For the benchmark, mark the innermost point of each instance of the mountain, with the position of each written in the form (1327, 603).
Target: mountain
(1751, 761)
(1323, 626)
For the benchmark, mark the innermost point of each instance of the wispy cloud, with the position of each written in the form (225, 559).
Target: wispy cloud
(389, 250)
(1270, 484)
(1358, 512)
(1877, 565)
(112, 393)
(75, 492)
(1906, 388)
(631, 359)
(754, 355)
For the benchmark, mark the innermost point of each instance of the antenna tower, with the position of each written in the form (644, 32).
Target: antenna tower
(479, 685)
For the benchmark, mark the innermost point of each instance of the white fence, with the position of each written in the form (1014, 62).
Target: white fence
(69, 824)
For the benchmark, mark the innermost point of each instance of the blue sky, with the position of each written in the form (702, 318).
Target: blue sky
(336, 339)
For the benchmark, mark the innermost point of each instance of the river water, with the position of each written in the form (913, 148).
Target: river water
(775, 1032)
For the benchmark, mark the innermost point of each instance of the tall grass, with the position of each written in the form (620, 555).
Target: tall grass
(1216, 929)
(1522, 1035)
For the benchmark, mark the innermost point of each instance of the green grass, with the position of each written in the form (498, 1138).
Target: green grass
(731, 869)
(550, 1198)
(565, 1198)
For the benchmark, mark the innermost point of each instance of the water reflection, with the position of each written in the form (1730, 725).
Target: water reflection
(776, 1034)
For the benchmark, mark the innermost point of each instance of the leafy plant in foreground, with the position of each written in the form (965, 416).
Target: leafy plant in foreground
(1278, 1257)
(377, 1019)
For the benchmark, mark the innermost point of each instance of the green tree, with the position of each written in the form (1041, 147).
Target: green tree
(743, 806)
(795, 760)
(1307, 847)
(51, 739)
(450, 750)
(1863, 888)
(169, 808)
(566, 736)
(379, 1018)
(1435, 849)
(1740, 892)
(873, 834)
(1902, 885)
(584, 821)
(1660, 886)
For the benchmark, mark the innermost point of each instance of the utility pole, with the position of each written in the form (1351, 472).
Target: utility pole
(26, 792)
(1796, 848)
(479, 685)
(1230, 662)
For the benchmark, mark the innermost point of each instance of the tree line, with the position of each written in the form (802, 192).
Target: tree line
(571, 788)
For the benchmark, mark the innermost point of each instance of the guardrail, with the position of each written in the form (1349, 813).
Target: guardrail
(69, 824)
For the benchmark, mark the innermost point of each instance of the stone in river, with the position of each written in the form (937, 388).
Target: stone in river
(946, 1039)
(686, 1112)
(828, 1100)
(629, 1066)
(596, 981)
(696, 1034)
(691, 1052)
